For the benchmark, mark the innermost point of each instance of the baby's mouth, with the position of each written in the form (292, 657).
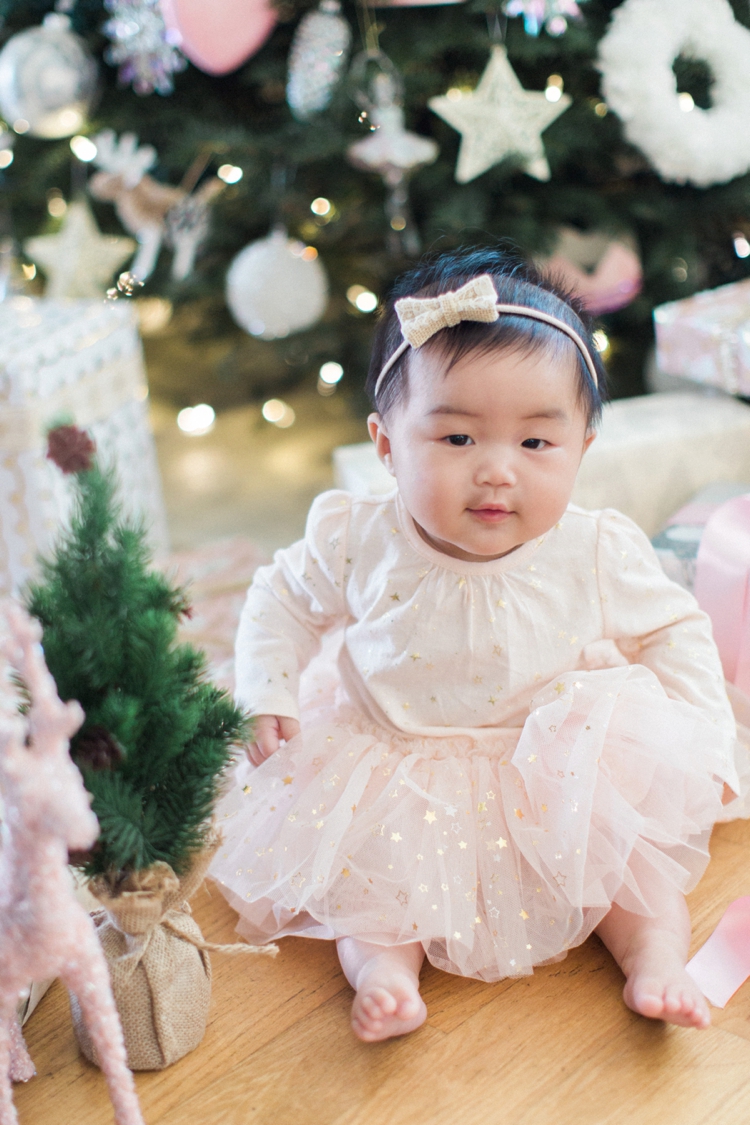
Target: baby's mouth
(491, 513)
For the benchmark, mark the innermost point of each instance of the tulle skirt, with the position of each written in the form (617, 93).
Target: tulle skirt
(498, 851)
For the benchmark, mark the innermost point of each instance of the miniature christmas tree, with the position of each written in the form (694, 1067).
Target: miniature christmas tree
(157, 734)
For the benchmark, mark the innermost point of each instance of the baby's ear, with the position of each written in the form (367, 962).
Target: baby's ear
(379, 434)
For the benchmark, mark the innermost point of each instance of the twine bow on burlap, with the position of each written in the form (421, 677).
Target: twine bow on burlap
(422, 317)
(158, 962)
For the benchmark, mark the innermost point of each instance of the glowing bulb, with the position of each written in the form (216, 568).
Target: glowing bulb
(21, 125)
(278, 412)
(366, 302)
(741, 246)
(6, 157)
(230, 173)
(553, 93)
(454, 94)
(686, 102)
(555, 80)
(398, 222)
(331, 372)
(309, 254)
(320, 206)
(600, 109)
(196, 420)
(601, 341)
(29, 271)
(83, 148)
(57, 206)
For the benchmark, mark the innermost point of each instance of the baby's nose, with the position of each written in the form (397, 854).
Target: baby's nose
(497, 469)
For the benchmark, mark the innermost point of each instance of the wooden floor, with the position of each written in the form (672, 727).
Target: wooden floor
(559, 1048)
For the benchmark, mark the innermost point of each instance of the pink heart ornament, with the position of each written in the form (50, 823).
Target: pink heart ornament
(219, 36)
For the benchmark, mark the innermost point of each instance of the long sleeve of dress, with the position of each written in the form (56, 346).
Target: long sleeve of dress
(289, 606)
(655, 622)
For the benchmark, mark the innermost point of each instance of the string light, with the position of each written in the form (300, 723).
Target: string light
(56, 205)
(6, 157)
(687, 105)
(554, 90)
(741, 245)
(196, 420)
(320, 206)
(230, 173)
(362, 298)
(29, 271)
(331, 372)
(278, 413)
(21, 125)
(601, 342)
(83, 148)
(600, 109)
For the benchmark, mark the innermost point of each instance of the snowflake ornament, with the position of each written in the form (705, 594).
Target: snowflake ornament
(123, 157)
(142, 46)
(552, 15)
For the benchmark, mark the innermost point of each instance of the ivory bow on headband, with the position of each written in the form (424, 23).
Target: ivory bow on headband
(421, 317)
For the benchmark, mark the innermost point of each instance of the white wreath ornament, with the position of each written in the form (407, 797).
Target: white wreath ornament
(704, 146)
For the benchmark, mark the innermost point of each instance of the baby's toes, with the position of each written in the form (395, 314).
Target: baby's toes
(379, 1003)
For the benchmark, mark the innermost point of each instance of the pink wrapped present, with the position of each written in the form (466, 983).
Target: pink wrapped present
(722, 586)
(706, 337)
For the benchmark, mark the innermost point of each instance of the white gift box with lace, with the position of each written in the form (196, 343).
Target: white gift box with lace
(74, 361)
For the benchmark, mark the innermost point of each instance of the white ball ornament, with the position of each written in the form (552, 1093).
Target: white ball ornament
(683, 142)
(276, 286)
(47, 79)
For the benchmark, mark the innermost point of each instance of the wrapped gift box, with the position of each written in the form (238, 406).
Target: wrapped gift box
(706, 338)
(651, 455)
(77, 361)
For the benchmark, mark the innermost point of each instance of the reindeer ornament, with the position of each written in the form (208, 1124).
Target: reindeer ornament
(44, 931)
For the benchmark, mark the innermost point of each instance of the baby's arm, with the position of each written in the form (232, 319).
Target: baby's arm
(289, 606)
(655, 622)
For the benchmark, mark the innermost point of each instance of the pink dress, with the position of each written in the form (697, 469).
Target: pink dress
(491, 753)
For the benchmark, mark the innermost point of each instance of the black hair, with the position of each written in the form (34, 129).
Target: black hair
(517, 283)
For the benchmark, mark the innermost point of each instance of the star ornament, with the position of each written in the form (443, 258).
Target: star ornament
(79, 260)
(499, 119)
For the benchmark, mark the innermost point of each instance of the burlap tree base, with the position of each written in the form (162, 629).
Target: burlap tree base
(158, 963)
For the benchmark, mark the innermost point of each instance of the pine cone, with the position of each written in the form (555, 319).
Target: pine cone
(71, 449)
(96, 749)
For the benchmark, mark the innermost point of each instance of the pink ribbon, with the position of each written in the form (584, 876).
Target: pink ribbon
(723, 963)
(722, 586)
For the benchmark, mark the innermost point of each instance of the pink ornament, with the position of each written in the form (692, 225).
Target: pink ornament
(218, 36)
(613, 284)
(44, 930)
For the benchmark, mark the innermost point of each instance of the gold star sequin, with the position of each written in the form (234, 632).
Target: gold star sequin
(482, 806)
(395, 597)
(523, 914)
(532, 758)
(477, 679)
(423, 888)
(433, 699)
(396, 837)
(457, 935)
(415, 656)
(559, 687)
(544, 808)
(345, 872)
(288, 780)
(501, 843)
(430, 816)
(461, 582)
(492, 699)
(518, 813)
(320, 824)
(497, 650)
(490, 795)
(500, 603)
(247, 789)
(414, 926)
(462, 844)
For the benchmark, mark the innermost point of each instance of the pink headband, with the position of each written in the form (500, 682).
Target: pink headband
(421, 317)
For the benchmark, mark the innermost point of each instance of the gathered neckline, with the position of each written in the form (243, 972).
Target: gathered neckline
(460, 566)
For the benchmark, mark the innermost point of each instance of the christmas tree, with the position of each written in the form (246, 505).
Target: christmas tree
(157, 735)
(599, 182)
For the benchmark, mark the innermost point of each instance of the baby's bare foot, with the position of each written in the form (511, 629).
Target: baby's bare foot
(659, 987)
(387, 1002)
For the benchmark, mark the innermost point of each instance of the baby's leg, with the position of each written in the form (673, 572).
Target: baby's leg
(652, 953)
(386, 981)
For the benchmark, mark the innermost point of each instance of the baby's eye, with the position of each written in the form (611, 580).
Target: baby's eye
(459, 439)
(534, 443)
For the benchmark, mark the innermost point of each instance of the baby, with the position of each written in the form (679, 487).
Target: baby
(515, 730)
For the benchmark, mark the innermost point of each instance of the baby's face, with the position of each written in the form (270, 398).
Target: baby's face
(486, 455)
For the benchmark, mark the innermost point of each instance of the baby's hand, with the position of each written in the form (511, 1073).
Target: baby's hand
(270, 730)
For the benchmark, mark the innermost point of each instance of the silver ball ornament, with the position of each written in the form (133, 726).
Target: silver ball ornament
(47, 79)
(276, 286)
